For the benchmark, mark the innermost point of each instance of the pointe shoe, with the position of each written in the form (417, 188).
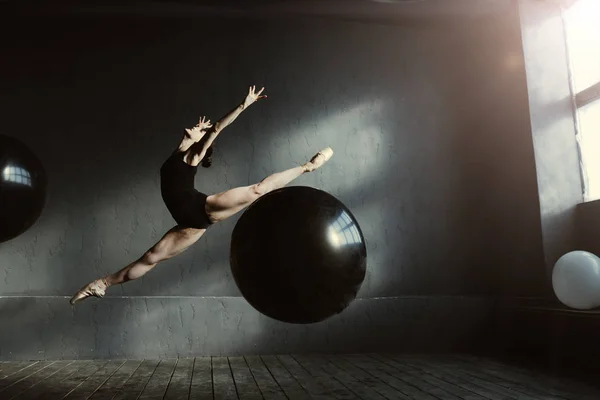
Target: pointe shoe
(318, 159)
(95, 288)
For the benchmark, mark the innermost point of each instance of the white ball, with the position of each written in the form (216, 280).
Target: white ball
(576, 280)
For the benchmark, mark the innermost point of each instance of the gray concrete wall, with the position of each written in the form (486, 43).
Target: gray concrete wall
(430, 124)
(553, 127)
(156, 326)
(562, 340)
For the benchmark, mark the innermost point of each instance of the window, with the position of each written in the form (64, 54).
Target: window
(17, 175)
(343, 231)
(582, 22)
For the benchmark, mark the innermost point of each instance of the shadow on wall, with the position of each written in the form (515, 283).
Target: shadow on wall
(109, 131)
(96, 222)
(95, 329)
(393, 169)
(553, 128)
(182, 327)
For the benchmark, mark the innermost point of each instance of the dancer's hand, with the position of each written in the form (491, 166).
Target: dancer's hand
(253, 96)
(203, 124)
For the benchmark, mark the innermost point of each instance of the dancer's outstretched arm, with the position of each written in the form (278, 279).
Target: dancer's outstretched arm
(198, 150)
(250, 99)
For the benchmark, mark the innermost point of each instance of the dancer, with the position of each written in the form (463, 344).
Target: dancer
(193, 210)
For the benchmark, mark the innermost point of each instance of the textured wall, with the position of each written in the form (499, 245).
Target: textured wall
(553, 127)
(563, 340)
(141, 327)
(434, 157)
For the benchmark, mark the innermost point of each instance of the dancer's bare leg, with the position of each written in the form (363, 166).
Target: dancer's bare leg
(194, 145)
(223, 205)
(178, 239)
(174, 242)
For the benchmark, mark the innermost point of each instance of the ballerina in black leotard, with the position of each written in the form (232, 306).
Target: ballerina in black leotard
(194, 211)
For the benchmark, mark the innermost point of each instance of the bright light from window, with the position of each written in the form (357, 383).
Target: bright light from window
(583, 38)
(589, 123)
(16, 175)
(582, 22)
(343, 231)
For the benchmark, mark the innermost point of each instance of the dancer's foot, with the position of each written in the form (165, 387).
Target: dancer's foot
(95, 288)
(318, 160)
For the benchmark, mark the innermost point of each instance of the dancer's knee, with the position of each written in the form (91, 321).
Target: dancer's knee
(260, 189)
(154, 256)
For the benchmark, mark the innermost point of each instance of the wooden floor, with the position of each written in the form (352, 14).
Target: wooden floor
(373, 376)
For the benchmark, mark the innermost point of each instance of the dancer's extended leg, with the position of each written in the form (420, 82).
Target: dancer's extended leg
(174, 242)
(178, 239)
(223, 205)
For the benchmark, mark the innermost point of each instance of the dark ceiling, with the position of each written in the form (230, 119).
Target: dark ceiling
(274, 8)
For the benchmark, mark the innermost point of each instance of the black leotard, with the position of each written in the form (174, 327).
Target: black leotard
(185, 203)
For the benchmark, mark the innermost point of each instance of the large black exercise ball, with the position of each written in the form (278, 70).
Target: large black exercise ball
(298, 255)
(23, 184)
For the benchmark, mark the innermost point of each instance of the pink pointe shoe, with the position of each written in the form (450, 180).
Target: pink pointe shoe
(95, 288)
(318, 159)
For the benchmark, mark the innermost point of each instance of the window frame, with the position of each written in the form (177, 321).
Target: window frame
(587, 96)
(580, 99)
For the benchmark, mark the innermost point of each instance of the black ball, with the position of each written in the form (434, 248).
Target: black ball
(23, 184)
(298, 255)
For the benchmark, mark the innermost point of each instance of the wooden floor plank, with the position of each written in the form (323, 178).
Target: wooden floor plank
(530, 384)
(483, 389)
(306, 380)
(3, 365)
(355, 385)
(22, 374)
(62, 388)
(89, 386)
(367, 379)
(244, 380)
(523, 386)
(6, 365)
(15, 367)
(112, 385)
(397, 361)
(286, 381)
(396, 369)
(27, 383)
(223, 384)
(19, 373)
(268, 386)
(311, 365)
(569, 386)
(202, 386)
(53, 380)
(376, 369)
(159, 381)
(492, 383)
(137, 381)
(343, 377)
(562, 384)
(179, 387)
